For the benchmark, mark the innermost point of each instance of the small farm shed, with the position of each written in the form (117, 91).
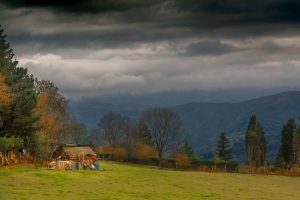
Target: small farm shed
(75, 153)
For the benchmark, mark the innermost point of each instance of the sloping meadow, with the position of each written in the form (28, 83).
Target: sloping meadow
(125, 181)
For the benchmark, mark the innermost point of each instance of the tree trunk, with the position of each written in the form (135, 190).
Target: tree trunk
(2, 158)
(160, 160)
(6, 159)
(27, 156)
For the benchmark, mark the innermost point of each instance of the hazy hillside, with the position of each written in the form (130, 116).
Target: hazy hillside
(204, 121)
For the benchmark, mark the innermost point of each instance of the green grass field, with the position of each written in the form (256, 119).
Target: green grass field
(123, 181)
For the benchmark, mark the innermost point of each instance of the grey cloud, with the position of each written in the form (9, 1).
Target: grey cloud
(34, 23)
(118, 76)
(209, 47)
(156, 46)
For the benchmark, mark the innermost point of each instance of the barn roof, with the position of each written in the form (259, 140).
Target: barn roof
(78, 150)
(72, 151)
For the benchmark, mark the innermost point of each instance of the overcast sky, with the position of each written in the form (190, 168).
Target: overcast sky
(103, 47)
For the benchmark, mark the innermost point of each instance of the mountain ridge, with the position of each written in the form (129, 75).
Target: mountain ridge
(212, 118)
(203, 121)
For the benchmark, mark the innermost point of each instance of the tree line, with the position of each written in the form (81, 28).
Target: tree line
(289, 150)
(34, 116)
(256, 147)
(158, 135)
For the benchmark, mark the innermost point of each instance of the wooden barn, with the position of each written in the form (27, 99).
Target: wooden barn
(74, 153)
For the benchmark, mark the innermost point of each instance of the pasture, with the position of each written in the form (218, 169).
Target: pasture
(134, 182)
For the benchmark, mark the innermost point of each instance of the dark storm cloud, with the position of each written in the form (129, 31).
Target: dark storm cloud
(138, 46)
(132, 21)
(219, 11)
(83, 6)
(245, 10)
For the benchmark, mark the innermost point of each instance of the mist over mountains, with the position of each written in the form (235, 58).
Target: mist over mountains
(203, 122)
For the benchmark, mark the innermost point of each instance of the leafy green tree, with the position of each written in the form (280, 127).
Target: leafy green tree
(255, 143)
(284, 156)
(224, 150)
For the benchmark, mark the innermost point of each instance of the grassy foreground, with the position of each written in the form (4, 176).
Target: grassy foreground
(122, 181)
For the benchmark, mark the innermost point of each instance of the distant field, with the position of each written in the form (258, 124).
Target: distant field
(136, 182)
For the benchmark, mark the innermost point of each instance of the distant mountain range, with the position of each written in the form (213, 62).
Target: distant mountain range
(203, 122)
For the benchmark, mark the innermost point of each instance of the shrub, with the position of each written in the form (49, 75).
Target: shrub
(119, 154)
(10, 143)
(181, 160)
(144, 152)
(230, 165)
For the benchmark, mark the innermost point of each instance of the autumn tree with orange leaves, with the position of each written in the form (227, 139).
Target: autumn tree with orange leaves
(51, 109)
(144, 152)
(55, 121)
(47, 122)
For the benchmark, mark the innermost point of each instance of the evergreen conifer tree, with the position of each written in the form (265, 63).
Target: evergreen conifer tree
(295, 154)
(188, 149)
(284, 156)
(17, 118)
(255, 143)
(224, 150)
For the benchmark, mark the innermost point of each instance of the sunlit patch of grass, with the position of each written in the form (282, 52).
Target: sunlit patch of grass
(132, 182)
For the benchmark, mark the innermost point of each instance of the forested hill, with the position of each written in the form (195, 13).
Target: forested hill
(204, 121)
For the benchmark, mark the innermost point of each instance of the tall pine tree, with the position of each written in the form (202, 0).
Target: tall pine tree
(284, 157)
(188, 149)
(255, 143)
(224, 150)
(17, 118)
(295, 154)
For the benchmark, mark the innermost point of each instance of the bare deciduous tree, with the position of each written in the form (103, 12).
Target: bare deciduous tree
(114, 130)
(163, 126)
(111, 127)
